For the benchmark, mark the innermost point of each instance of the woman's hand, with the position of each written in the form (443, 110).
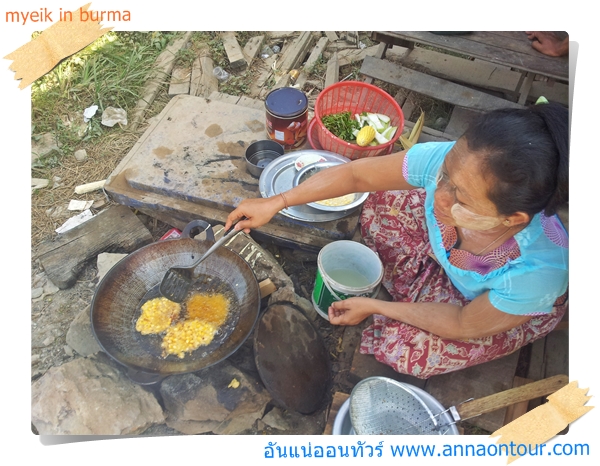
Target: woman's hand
(351, 311)
(257, 212)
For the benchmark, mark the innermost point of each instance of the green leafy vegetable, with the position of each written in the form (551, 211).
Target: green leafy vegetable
(346, 126)
(342, 125)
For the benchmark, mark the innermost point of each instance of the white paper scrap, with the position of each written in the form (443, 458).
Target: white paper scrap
(74, 221)
(75, 204)
(111, 116)
(89, 112)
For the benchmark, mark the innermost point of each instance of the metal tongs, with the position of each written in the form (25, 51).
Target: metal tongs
(178, 280)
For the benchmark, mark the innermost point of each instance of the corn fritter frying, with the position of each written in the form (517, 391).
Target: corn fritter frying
(204, 314)
(187, 335)
(211, 307)
(157, 316)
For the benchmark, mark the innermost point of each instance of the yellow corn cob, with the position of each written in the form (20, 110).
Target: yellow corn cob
(365, 136)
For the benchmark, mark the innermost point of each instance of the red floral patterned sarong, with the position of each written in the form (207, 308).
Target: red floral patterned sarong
(393, 225)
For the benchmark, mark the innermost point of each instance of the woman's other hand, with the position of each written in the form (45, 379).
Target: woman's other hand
(351, 311)
(253, 213)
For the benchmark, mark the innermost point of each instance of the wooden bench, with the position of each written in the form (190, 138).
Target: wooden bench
(431, 86)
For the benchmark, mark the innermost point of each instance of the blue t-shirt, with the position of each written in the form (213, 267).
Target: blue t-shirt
(527, 285)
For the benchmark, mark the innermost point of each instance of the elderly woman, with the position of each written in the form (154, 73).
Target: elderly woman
(474, 256)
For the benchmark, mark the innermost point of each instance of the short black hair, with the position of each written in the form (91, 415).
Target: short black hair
(527, 152)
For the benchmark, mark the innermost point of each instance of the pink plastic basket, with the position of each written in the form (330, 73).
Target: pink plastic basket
(355, 97)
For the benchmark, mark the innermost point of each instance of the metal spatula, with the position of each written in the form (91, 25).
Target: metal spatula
(177, 281)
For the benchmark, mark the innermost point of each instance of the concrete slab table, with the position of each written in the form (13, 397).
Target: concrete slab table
(190, 164)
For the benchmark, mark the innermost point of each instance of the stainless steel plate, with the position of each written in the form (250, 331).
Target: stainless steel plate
(278, 177)
(309, 170)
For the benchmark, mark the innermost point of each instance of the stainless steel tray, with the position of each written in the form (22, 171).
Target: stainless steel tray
(278, 177)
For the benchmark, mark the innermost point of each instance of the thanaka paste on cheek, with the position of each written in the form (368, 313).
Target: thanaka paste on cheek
(466, 219)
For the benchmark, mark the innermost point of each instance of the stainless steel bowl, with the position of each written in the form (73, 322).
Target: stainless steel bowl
(310, 170)
(260, 154)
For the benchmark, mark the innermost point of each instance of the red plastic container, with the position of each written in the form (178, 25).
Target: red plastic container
(355, 97)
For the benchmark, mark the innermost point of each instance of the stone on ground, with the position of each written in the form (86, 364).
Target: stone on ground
(66, 400)
(212, 401)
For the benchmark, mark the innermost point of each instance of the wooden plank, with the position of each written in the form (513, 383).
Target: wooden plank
(351, 37)
(295, 53)
(379, 53)
(266, 287)
(429, 134)
(436, 88)
(316, 54)
(195, 87)
(234, 52)
(525, 87)
(408, 106)
(553, 91)
(557, 353)
(460, 120)
(349, 56)
(476, 382)
(162, 67)
(477, 73)
(116, 229)
(283, 81)
(505, 48)
(252, 48)
(281, 34)
(333, 71)
(331, 35)
(258, 86)
(208, 82)
(180, 81)
(518, 409)
(199, 82)
(301, 80)
(536, 369)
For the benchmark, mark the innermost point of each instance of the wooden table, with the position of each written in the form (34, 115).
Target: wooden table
(512, 49)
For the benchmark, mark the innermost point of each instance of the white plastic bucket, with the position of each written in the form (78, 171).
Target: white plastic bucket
(345, 269)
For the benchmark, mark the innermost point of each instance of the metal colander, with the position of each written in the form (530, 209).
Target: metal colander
(383, 406)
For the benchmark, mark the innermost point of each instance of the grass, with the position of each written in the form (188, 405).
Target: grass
(109, 72)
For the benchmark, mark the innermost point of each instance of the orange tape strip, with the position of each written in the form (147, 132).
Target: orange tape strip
(62, 39)
(544, 422)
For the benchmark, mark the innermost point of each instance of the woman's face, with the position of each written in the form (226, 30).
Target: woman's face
(461, 196)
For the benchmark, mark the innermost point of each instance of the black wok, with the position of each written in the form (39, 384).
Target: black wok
(135, 279)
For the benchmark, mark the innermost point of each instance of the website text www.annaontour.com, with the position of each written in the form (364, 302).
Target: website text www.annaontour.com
(363, 449)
